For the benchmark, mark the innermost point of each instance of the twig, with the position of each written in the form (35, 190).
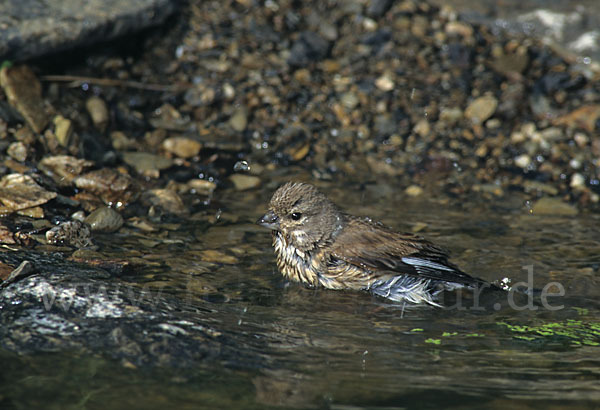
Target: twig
(110, 82)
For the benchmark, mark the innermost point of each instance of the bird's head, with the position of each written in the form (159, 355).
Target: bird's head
(303, 215)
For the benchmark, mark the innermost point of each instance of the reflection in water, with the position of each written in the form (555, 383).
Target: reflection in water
(286, 345)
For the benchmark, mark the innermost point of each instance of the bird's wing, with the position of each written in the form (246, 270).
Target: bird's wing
(386, 253)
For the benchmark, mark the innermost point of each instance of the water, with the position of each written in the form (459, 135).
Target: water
(282, 345)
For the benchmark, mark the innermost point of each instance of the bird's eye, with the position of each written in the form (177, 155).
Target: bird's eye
(296, 216)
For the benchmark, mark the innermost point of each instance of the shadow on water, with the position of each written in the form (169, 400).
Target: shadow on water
(185, 328)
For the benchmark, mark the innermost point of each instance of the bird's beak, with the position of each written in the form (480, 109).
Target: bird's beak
(269, 220)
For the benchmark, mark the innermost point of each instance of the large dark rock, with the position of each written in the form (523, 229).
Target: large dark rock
(30, 28)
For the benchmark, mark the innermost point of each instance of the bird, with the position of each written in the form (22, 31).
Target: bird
(319, 245)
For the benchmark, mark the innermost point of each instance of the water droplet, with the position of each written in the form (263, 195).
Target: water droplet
(241, 166)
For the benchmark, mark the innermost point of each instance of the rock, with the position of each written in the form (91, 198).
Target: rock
(63, 168)
(18, 191)
(98, 111)
(422, 128)
(30, 29)
(215, 256)
(378, 8)
(121, 142)
(349, 100)
(523, 161)
(63, 129)
(71, 233)
(308, 48)
(577, 181)
(459, 28)
(201, 186)
(169, 118)
(166, 199)
(481, 109)
(104, 219)
(553, 206)
(35, 212)
(451, 116)
(182, 147)
(385, 82)
(147, 164)
(413, 190)
(110, 185)
(243, 182)
(17, 151)
(583, 117)
(509, 64)
(24, 92)
(239, 119)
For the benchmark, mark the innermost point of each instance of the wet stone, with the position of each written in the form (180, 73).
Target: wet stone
(413, 190)
(110, 185)
(98, 111)
(553, 206)
(63, 168)
(18, 191)
(24, 92)
(147, 164)
(104, 219)
(215, 256)
(308, 48)
(166, 200)
(72, 233)
(17, 151)
(63, 130)
(243, 182)
(182, 147)
(239, 119)
(481, 109)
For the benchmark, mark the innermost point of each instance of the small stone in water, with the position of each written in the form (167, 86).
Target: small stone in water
(577, 181)
(98, 110)
(215, 256)
(104, 219)
(413, 190)
(244, 182)
(182, 147)
(17, 151)
(481, 109)
(523, 161)
(553, 206)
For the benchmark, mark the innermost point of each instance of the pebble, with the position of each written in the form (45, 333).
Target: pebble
(182, 147)
(104, 219)
(523, 161)
(309, 47)
(113, 187)
(98, 111)
(243, 182)
(413, 190)
(17, 151)
(63, 128)
(63, 168)
(201, 186)
(553, 206)
(481, 109)
(24, 92)
(239, 119)
(451, 116)
(214, 256)
(147, 164)
(167, 200)
(385, 82)
(577, 181)
(18, 191)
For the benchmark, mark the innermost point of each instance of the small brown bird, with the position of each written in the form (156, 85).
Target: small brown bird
(319, 245)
